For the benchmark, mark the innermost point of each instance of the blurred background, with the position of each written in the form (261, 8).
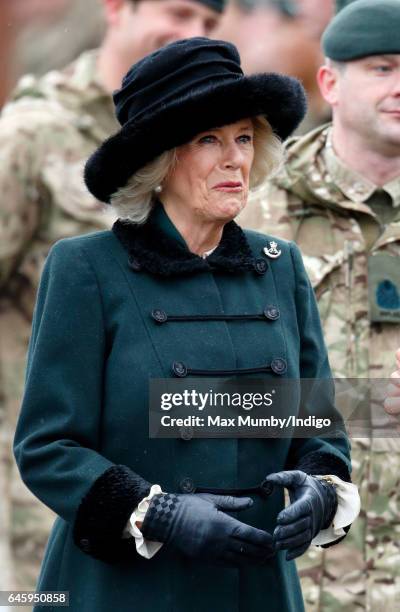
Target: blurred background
(40, 35)
(277, 35)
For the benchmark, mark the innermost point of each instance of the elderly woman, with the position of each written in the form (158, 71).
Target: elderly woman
(178, 289)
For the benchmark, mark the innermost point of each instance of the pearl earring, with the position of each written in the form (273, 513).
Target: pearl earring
(158, 189)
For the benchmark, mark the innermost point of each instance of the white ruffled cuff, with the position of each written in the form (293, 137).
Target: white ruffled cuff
(347, 511)
(145, 548)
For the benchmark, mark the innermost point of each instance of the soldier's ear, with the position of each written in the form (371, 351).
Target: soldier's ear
(327, 78)
(112, 10)
(398, 358)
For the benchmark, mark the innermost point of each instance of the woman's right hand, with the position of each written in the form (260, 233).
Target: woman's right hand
(195, 525)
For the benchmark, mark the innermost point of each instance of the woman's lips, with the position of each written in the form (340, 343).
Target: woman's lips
(395, 112)
(228, 186)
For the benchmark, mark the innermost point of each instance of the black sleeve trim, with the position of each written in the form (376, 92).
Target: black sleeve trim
(323, 464)
(104, 512)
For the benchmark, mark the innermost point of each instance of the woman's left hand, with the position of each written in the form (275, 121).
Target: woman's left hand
(392, 401)
(313, 505)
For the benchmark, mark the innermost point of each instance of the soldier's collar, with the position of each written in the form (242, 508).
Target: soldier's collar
(393, 189)
(354, 186)
(157, 247)
(84, 74)
(305, 169)
(90, 100)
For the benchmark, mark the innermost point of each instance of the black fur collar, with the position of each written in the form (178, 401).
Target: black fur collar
(153, 250)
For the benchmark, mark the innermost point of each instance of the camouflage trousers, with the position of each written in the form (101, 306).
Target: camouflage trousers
(363, 571)
(25, 522)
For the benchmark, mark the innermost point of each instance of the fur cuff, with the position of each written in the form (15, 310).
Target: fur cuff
(323, 464)
(104, 512)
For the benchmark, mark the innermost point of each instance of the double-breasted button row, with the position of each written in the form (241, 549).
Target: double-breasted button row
(260, 265)
(278, 366)
(270, 312)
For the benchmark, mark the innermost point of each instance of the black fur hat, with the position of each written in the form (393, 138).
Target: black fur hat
(185, 88)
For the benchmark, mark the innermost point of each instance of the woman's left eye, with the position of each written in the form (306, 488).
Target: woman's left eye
(245, 138)
(210, 139)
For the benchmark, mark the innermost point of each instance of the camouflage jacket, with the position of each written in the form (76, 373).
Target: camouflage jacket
(348, 253)
(47, 131)
(305, 203)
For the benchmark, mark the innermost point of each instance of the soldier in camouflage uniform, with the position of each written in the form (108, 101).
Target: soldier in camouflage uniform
(47, 132)
(338, 197)
(392, 401)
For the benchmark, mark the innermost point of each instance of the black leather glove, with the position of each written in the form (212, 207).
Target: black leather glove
(313, 507)
(194, 525)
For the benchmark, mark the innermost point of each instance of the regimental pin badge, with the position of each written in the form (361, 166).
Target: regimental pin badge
(273, 250)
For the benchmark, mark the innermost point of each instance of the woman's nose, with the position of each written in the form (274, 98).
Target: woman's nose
(233, 156)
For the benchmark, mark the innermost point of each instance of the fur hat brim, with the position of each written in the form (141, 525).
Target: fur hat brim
(281, 99)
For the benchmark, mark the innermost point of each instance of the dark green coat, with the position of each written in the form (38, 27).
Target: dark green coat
(82, 434)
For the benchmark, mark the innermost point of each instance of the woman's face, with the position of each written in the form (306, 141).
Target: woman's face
(211, 176)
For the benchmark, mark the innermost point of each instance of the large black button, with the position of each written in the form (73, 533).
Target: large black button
(179, 369)
(85, 544)
(266, 488)
(272, 313)
(187, 485)
(278, 365)
(260, 266)
(159, 315)
(134, 264)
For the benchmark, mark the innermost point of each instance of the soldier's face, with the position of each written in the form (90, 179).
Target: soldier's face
(367, 100)
(147, 25)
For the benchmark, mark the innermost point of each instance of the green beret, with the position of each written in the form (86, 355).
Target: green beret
(364, 27)
(216, 5)
(341, 4)
(285, 7)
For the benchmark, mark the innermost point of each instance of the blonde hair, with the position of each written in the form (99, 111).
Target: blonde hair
(268, 152)
(133, 202)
